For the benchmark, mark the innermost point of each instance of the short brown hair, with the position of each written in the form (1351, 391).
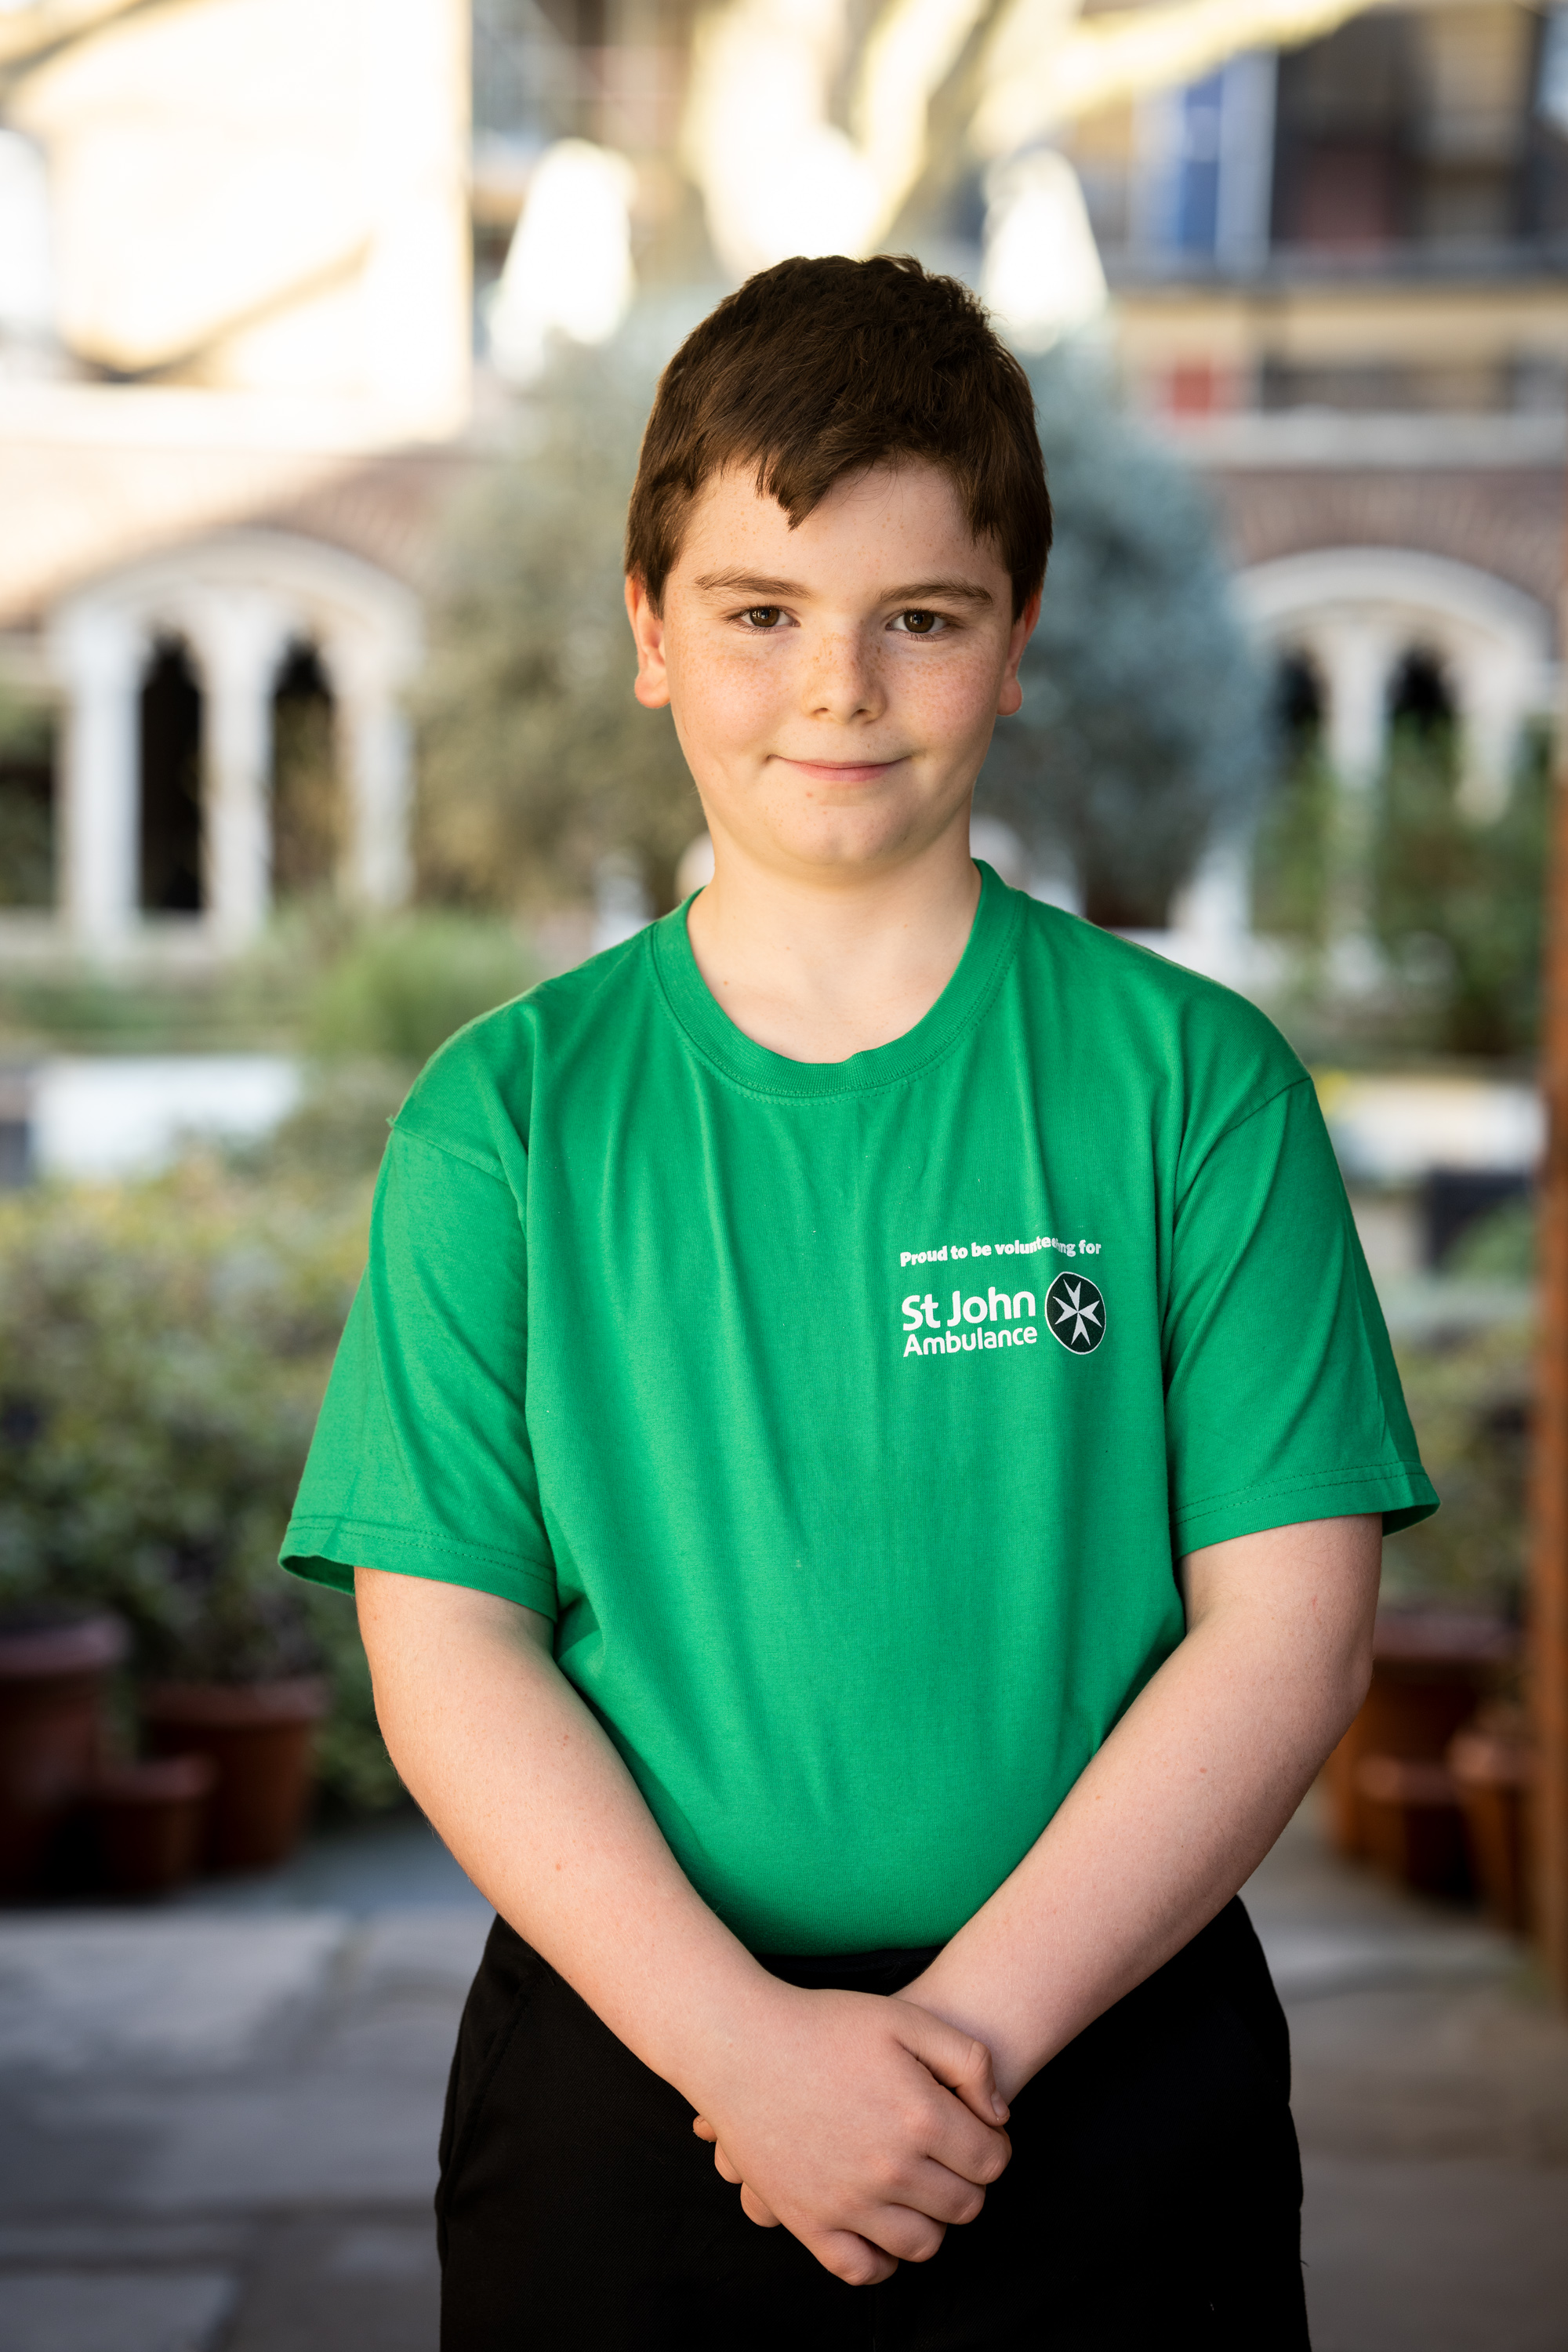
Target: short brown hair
(817, 368)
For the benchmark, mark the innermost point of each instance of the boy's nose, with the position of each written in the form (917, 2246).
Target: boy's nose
(843, 681)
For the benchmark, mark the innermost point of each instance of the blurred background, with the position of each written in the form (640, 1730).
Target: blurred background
(327, 333)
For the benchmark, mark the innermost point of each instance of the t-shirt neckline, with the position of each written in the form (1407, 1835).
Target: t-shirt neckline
(987, 951)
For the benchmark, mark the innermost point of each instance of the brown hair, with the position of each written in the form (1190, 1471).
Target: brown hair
(817, 368)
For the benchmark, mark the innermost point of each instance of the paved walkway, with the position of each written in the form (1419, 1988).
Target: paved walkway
(217, 2120)
(1431, 2098)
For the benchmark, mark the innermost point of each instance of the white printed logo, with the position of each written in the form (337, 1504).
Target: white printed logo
(1074, 1313)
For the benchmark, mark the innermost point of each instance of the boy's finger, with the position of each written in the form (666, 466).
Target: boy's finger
(908, 2234)
(973, 2152)
(703, 2129)
(724, 2168)
(955, 2059)
(854, 2260)
(753, 2208)
(941, 2193)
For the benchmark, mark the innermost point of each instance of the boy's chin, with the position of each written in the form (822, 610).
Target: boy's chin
(844, 842)
(839, 851)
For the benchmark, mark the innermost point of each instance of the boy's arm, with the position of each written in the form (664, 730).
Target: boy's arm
(1184, 1800)
(1178, 1807)
(832, 2102)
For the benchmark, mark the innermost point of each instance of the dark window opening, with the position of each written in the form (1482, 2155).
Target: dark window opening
(1421, 772)
(1290, 861)
(1344, 119)
(27, 802)
(1454, 1200)
(1299, 705)
(170, 752)
(307, 794)
(1466, 386)
(1413, 126)
(1418, 698)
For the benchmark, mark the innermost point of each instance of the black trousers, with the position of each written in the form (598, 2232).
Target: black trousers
(1153, 2202)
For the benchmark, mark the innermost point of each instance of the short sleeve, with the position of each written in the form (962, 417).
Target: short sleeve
(1282, 1401)
(421, 1461)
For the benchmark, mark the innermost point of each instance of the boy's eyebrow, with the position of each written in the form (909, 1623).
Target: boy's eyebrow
(749, 584)
(960, 591)
(755, 583)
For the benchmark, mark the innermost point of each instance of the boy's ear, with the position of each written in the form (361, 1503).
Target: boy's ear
(652, 688)
(1011, 698)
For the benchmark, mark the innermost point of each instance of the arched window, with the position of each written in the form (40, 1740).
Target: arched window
(1420, 700)
(171, 881)
(308, 828)
(1424, 853)
(1290, 866)
(1297, 704)
(1421, 770)
(28, 732)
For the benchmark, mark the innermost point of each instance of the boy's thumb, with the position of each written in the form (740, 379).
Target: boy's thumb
(957, 2060)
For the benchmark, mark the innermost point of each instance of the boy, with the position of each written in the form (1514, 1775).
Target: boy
(864, 1442)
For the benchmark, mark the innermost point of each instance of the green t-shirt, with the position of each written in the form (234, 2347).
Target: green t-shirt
(848, 1418)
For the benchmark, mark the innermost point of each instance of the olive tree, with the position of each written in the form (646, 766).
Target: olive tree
(1143, 731)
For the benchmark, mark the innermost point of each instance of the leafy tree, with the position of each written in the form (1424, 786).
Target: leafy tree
(1143, 727)
(536, 760)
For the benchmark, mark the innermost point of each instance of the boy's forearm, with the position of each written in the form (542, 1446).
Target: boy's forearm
(832, 2099)
(1181, 1803)
(527, 1790)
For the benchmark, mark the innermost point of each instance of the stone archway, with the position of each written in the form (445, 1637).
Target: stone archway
(240, 603)
(1354, 613)
(1354, 621)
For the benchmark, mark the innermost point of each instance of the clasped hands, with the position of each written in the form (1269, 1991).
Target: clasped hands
(863, 2123)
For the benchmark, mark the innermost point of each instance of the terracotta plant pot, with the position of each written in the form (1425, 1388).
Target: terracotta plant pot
(1412, 1826)
(259, 1737)
(1430, 1671)
(51, 1732)
(1494, 1773)
(148, 1823)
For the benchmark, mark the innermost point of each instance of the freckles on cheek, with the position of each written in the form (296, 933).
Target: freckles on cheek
(954, 701)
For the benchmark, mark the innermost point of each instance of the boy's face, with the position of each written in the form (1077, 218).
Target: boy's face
(834, 686)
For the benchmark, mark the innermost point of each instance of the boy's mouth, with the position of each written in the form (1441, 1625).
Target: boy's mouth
(843, 772)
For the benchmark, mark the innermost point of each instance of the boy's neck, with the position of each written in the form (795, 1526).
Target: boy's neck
(817, 968)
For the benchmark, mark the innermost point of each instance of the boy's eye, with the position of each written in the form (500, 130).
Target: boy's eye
(764, 617)
(919, 624)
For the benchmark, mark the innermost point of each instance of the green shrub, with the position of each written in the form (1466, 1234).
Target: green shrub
(1467, 899)
(1498, 1247)
(163, 1347)
(404, 986)
(1469, 1401)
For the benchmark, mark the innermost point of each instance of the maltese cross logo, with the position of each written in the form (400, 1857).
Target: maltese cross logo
(1074, 1313)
